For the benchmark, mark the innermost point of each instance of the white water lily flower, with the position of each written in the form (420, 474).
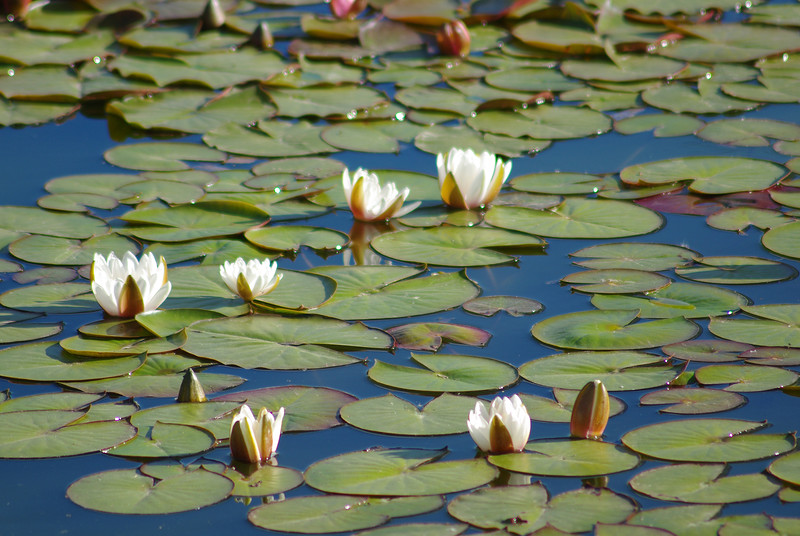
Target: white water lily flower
(128, 286)
(369, 202)
(468, 180)
(504, 428)
(255, 440)
(250, 279)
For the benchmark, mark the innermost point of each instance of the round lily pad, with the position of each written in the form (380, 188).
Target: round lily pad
(513, 305)
(663, 125)
(445, 374)
(291, 237)
(702, 483)
(736, 270)
(65, 400)
(746, 378)
(127, 491)
(273, 342)
(689, 300)
(397, 472)
(781, 357)
(619, 371)
(431, 336)
(740, 218)
(420, 529)
(165, 440)
(615, 281)
(787, 468)
(557, 183)
(693, 401)
(212, 416)
(783, 240)
(567, 457)
(62, 251)
(611, 330)
(624, 68)
(774, 325)
(634, 255)
(47, 361)
(107, 347)
(266, 480)
(706, 350)
(453, 246)
(337, 513)
(50, 223)
(164, 156)
(578, 218)
(542, 122)
(55, 433)
(389, 414)
(707, 440)
(53, 298)
(709, 174)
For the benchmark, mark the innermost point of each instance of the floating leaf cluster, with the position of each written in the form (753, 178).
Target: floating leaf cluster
(271, 91)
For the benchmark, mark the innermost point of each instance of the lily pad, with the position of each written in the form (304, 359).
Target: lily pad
(740, 218)
(787, 468)
(707, 350)
(619, 371)
(269, 139)
(513, 305)
(560, 409)
(281, 343)
(746, 378)
(578, 218)
(163, 440)
(445, 374)
(292, 237)
(161, 156)
(397, 472)
(611, 330)
(749, 132)
(634, 255)
(615, 281)
(557, 183)
(53, 433)
(389, 414)
(693, 401)
(774, 325)
(567, 457)
(783, 240)
(702, 483)
(431, 336)
(543, 122)
(736, 270)
(663, 125)
(127, 491)
(46, 361)
(50, 223)
(707, 440)
(689, 300)
(337, 513)
(266, 480)
(372, 292)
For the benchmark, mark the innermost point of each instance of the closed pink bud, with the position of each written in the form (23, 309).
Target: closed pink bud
(453, 39)
(347, 9)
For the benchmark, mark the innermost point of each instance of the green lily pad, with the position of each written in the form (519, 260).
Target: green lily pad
(707, 440)
(273, 342)
(701, 483)
(557, 183)
(28, 332)
(689, 300)
(746, 378)
(513, 305)
(709, 174)
(166, 323)
(15, 113)
(736, 270)
(337, 513)
(397, 472)
(624, 68)
(76, 202)
(731, 42)
(697, 518)
(749, 132)
(558, 38)
(266, 480)
(324, 101)
(210, 250)
(420, 529)
(169, 191)
(64, 401)
(740, 218)
(685, 401)
(787, 468)
(28, 48)
(681, 98)
(161, 156)
(371, 292)
(307, 408)
(578, 218)
(543, 122)
(389, 414)
(53, 298)
(611, 330)
(292, 237)
(46, 361)
(453, 246)
(634, 255)
(440, 139)
(438, 99)
(445, 374)
(781, 357)
(107, 347)
(530, 79)
(44, 222)
(783, 240)
(160, 376)
(269, 139)
(619, 371)
(113, 327)
(360, 137)
(52, 434)
(567, 457)
(127, 491)
(164, 440)
(44, 276)
(48, 83)
(706, 350)
(522, 509)
(774, 325)
(213, 416)
(663, 125)
(615, 281)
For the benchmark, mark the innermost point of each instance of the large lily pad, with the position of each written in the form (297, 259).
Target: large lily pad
(45, 222)
(693, 401)
(397, 472)
(619, 371)
(689, 300)
(707, 440)
(774, 325)
(732, 270)
(745, 378)
(47, 361)
(611, 330)
(634, 255)
(272, 342)
(445, 374)
(389, 414)
(578, 218)
(568, 457)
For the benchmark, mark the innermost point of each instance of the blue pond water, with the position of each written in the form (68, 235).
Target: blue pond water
(32, 494)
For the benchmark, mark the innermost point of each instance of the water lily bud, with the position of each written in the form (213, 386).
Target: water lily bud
(255, 440)
(347, 9)
(504, 428)
(128, 286)
(250, 279)
(262, 38)
(453, 39)
(213, 17)
(369, 202)
(468, 180)
(191, 389)
(590, 412)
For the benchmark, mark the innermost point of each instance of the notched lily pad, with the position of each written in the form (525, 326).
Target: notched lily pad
(431, 336)
(686, 401)
(513, 305)
(389, 414)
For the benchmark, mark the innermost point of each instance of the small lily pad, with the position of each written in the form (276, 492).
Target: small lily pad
(693, 401)
(746, 378)
(731, 270)
(774, 325)
(292, 237)
(161, 156)
(689, 300)
(513, 305)
(47, 361)
(431, 336)
(615, 281)
(389, 414)
(706, 350)
(634, 255)
(567, 457)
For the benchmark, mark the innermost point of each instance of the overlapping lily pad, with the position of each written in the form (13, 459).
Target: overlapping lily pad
(745, 378)
(693, 401)
(634, 255)
(736, 270)
(689, 300)
(389, 414)
(774, 325)
(47, 361)
(568, 457)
